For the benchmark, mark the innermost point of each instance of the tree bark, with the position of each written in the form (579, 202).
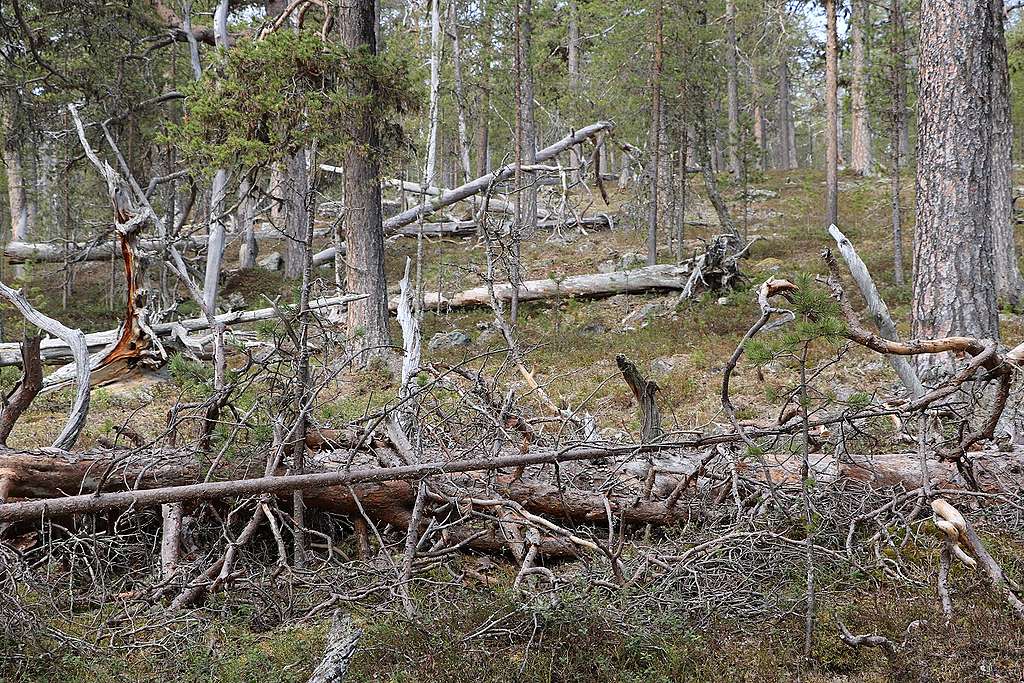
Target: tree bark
(1009, 284)
(831, 116)
(655, 137)
(786, 128)
(897, 126)
(732, 89)
(860, 142)
(17, 195)
(368, 333)
(954, 286)
(296, 185)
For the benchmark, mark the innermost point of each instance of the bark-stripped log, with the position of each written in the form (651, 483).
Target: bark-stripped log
(650, 278)
(56, 350)
(55, 252)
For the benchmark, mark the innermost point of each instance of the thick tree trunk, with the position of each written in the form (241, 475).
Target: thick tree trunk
(1009, 284)
(897, 126)
(732, 88)
(954, 286)
(364, 233)
(860, 137)
(831, 116)
(296, 186)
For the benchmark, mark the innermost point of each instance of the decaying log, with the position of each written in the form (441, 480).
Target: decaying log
(164, 476)
(55, 252)
(463, 228)
(650, 278)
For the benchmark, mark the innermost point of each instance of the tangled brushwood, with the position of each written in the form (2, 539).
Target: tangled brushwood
(472, 474)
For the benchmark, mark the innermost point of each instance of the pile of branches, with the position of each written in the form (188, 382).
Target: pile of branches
(246, 488)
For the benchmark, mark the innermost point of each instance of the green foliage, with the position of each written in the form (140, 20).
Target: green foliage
(818, 319)
(195, 378)
(264, 99)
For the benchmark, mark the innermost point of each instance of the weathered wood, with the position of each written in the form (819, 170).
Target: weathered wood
(877, 309)
(341, 646)
(482, 183)
(650, 278)
(55, 252)
(28, 387)
(75, 341)
(643, 390)
(56, 350)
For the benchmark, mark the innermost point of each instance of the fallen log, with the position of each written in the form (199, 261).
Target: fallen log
(57, 351)
(153, 477)
(55, 252)
(325, 257)
(650, 278)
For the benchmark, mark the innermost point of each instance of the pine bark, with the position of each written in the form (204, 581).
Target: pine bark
(954, 285)
(1009, 284)
(785, 126)
(831, 116)
(732, 89)
(860, 137)
(363, 224)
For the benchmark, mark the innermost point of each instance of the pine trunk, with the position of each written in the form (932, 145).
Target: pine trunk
(831, 116)
(1009, 284)
(363, 225)
(954, 286)
(860, 137)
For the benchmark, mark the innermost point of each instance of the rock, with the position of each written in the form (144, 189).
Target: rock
(233, 302)
(631, 260)
(722, 300)
(758, 193)
(272, 261)
(448, 340)
(627, 261)
(666, 364)
(642, 314)
(594, 327)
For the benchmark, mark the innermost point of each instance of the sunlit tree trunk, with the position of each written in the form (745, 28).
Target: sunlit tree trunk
(954, 285)
(860, 135)
(831, 116)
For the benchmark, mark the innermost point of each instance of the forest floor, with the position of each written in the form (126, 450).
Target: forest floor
(487, 633)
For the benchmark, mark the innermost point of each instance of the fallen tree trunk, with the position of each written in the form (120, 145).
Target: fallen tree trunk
(650, 278)
(57, 351)
(325, 257)
(148, 478)
(55, 252)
